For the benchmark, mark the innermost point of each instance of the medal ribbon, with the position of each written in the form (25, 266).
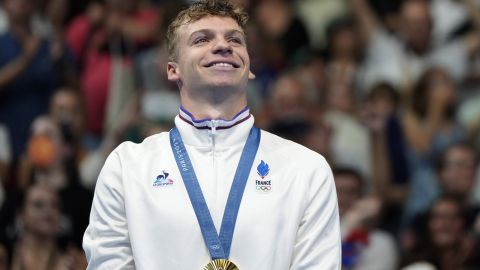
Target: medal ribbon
(218, 245)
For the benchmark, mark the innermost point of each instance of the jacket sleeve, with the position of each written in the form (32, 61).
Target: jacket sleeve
(318, 242)
(106, 241)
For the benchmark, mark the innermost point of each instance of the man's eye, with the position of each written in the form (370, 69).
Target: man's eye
(200, 40)
(236, 40)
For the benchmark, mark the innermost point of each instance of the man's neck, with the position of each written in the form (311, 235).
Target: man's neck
(206, 107)
(206, 111)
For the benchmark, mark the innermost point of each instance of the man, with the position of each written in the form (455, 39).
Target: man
(363, 242)
(400, 57)
(147, 210)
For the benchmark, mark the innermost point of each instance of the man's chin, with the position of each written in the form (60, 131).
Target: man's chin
(223, 84)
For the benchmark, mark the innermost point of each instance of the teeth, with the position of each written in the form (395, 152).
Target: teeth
(223, 65)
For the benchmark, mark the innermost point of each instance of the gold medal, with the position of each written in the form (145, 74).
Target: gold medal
(220, 264)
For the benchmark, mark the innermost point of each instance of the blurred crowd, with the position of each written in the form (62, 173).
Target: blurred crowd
(387, 91)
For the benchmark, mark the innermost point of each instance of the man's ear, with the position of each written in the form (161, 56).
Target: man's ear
(251, 76)
(173, 73)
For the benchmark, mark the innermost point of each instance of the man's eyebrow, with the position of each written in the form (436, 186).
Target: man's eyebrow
(206, 32)
(235, 31)
(209, 32)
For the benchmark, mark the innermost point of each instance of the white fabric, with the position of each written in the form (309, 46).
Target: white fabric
(5, 156)
(389, 61)
(135, 225)
(351, 145)
(447, 16)
(317, 15)
(3, 20)
(420, 266)
(5, 151)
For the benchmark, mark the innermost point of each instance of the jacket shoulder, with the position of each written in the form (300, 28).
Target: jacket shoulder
(152, 144)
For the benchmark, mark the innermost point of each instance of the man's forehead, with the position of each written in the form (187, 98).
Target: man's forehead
(211, 23)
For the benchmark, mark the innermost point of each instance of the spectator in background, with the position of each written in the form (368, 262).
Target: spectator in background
(30, 69)
(160, 100)
(363, 245)
(311, 72)
(50, 159)
(444, 239)
(36, 246)
(456, 170)
(429, 128)
(67, 111)
(344, 50)
(287, 108)
(400, 58)
(284, 32)
(389, 152)
(351, 142)
(104, 40)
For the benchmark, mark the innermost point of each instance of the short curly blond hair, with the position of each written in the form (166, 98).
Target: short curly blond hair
(197, 11)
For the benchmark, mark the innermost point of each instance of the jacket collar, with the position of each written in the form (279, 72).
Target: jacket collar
(214, 133)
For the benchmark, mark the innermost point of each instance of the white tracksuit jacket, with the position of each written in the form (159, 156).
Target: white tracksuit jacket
(142, 217)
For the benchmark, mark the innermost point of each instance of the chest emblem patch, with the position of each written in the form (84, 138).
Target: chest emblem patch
(163, 180)
(263, 184)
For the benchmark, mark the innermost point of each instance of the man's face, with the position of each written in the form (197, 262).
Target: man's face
(348, 192)
(19, 10)
(212, 53)
(416, 25)
(42, 212)
(458, 174)
(445, 224)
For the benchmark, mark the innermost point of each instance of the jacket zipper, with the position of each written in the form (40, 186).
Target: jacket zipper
(214, 167)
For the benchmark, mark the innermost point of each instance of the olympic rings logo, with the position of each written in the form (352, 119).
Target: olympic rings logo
(264, 188)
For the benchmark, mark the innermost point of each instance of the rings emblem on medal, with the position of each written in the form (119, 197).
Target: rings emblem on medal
(220, 264)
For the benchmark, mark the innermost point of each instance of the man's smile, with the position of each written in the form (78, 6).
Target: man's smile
(222, 64)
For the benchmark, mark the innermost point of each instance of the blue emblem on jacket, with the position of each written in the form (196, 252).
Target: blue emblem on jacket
(263, 169)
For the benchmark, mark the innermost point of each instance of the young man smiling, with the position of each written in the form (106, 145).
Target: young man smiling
(215, 192)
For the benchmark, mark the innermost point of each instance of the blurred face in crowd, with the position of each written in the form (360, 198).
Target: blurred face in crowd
(348, 191)
(19, 10)
(441, 88)
(45, 143)
(339, 94)
(345, 43)
(65, 108)
(383, 102)
(57, 10)
(457, 175)
(212, 54)
(288, 97)
(41, 212)
(123, 5)
(415, 25)
(445, 223)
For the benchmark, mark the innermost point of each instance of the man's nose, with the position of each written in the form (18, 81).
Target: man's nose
(222, 47)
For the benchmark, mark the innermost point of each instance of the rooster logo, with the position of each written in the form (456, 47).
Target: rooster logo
(162, 180)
